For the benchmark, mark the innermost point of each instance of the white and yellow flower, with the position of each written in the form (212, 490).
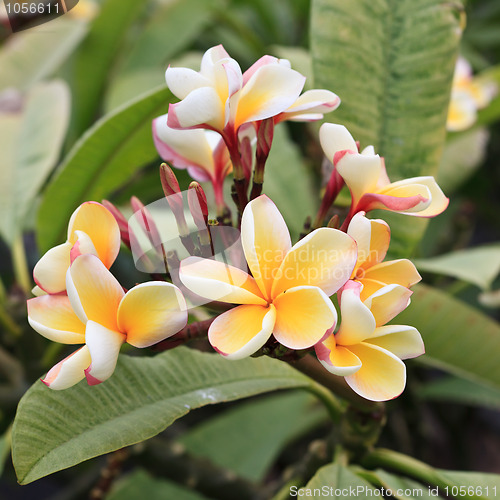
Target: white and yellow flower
(468, 95)
(92, 229)
(202, 152)
(373, 237)
(287, 293)
(98, 313)
(221, 98)
(365, 175)
(366, 351)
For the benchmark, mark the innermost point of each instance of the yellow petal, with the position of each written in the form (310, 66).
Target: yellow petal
(69, 371)
(303, 315)
(215, 280)
(400, 272)
(403, 341)
(358, 322)
(151, 312)
(99, 224)
(104, 345)
(402, 190)
(369, 287)
(427, 184)
(382, 375)
(325, 258)
(339, 361)
(270, 90)
(241, 331)
(94, 292)
(266, 241)
(388, 302)
(50, 271)
(53, 317)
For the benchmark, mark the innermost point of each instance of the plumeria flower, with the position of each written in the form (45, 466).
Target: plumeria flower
(98, 313)
(92, 229)
(202, 152)
(287, 293)
(468, 94)
(364, 351)
(221, 98)
(373, 237)
(365, 175)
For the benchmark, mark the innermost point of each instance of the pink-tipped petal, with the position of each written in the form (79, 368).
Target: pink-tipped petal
(218, 281)
(337, 359)
(104, 345)
(98, 223)
(201, 107)
(94, 292)
(358, 322)
(303, 315)
(382, 375)
(82, 246)
(69, 371)
(400, 272)
(151, 312)
(269, 91)
(403, 341)
(388, 302)
(324, 258)
(53, 317)
(50, 271)
(241, 331)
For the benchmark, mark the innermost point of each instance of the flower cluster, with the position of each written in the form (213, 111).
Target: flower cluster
(468, 95)
(281, 298)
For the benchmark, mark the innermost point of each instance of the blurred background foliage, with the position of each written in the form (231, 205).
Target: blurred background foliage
(77, 96)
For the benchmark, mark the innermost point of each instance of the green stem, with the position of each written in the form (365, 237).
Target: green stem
(21, 265)
(313, 368)
(333, 405)
(408, 466)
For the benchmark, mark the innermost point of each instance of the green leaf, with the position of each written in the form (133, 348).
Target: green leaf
(391, 62)
(139, 484)
(483, 484)
(462, 156)
(458, 338)
(105, 158)
(337, 477)
(462, 391)
(288, 182)
(30, 142)
(54, 430)
(32, 55)
(95, 58)
(398, 487)
(479, 266)
(247, 439)
(172, 28)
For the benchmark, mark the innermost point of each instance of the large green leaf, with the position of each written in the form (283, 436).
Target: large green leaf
(391, 62)
(30, 141)
(105, 158)
(140, 484)
(95, 57)
(288, 182)
(340, 480)
(54, 430)
(457, 337)
(479, 265)
(462, 391)
(34, 54)
(247, 439)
